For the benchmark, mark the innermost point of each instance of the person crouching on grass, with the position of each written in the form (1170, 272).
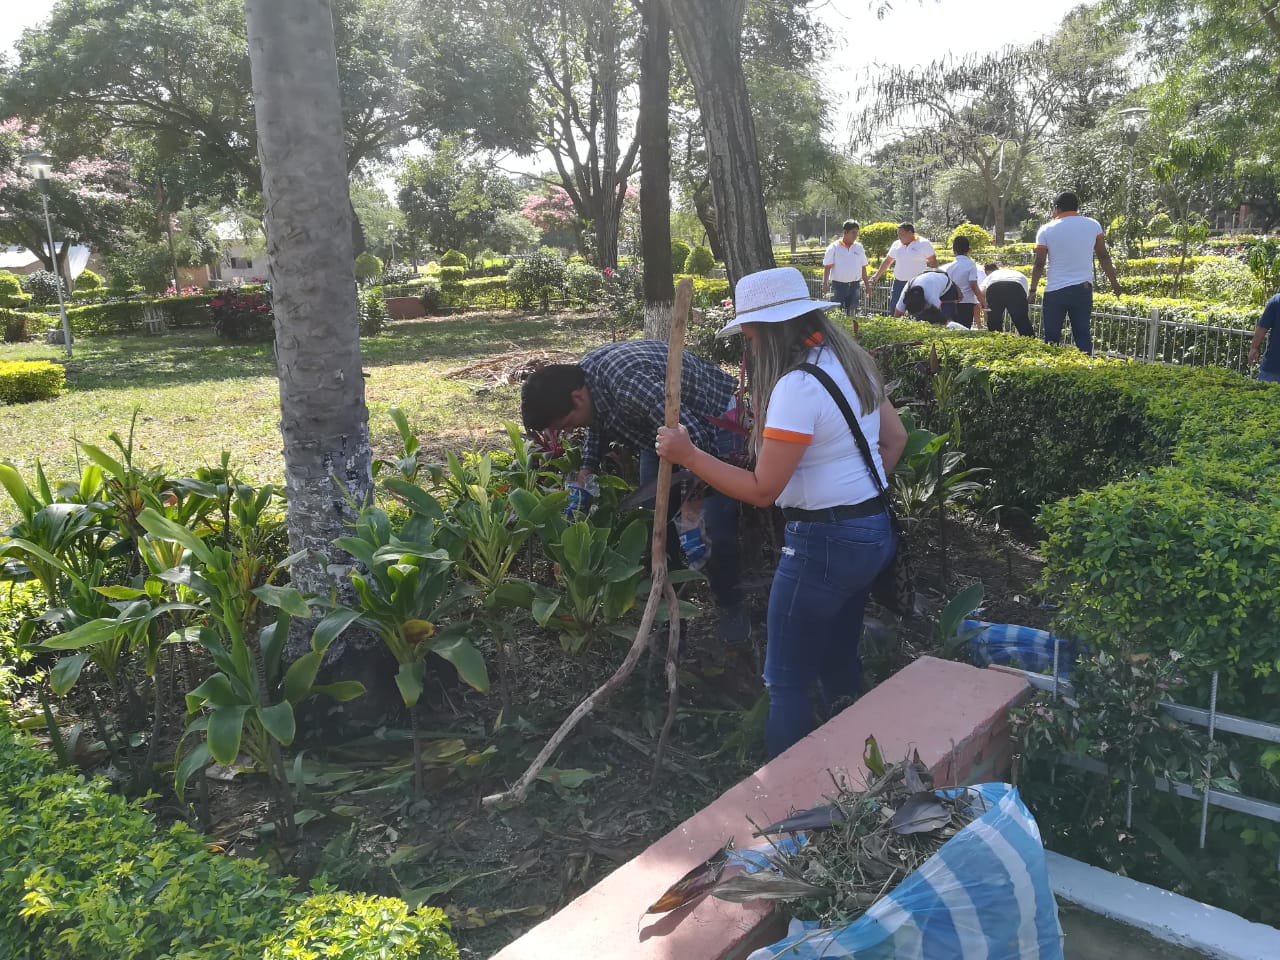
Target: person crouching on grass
(838, 533)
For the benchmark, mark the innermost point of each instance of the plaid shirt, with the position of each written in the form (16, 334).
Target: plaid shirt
(628, 392)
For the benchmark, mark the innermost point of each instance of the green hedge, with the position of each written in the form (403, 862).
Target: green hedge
(126, 316)
(22, 381)
(1159, 508)
(85, 875)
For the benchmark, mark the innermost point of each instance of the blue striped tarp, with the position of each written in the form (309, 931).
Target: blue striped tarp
(984, 895)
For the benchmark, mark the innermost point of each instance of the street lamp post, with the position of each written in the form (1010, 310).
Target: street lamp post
(41, 165)
(1131, 119)
(391, 232)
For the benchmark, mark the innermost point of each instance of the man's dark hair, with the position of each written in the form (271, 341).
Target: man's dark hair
(1067, 202)
(548, 394)
(960, 245)
(913, 300)
(852, 225)
(931, 314)
(992, 266)
(907, 225)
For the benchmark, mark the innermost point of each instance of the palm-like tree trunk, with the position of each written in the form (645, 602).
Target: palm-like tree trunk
(654, 135)
(323, 416)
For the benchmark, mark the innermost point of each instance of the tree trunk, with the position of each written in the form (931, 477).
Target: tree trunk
(1000, 228)
(655, 169)
(324, 420)
(706, 212)
(610, 177)
(709, 33)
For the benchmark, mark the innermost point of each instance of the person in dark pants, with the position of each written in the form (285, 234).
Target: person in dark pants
(618, 392)
(1006, 291)
(910, 256)
(1065, 248)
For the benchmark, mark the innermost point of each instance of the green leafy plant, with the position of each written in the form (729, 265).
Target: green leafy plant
(700, 261)
(537, 278)
(679, 255)
(368, 267)
(979, 240)
(25, 381)
(915, 483)
(402, 594)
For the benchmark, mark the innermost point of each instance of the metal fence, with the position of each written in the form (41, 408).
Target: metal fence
(1154, 338)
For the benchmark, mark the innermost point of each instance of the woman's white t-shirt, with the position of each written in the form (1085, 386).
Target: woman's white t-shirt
(831, 472)
(934, 286)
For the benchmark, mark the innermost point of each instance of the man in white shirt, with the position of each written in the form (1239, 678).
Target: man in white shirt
(844, 266)
(909, 256)
(932, 291)
(1068, 243)
(1006, 290)
(964, 274)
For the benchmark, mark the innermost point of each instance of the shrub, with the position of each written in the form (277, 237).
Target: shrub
(11, 295)
(126, 316)
(623, 296)
(583, 283)
(22, 381)
(679, 255)
(1028, 229)
(368, 267)
(18, 327)
(538, 277)
(877, 238)
(87, 280)
(43, 287)
(1160, 226)
(700, 261)
(1169, 533)
(85, 875)
(455, 258)
(238, 315)
(431, 296)
(373, 312)
(979, 240)
(396, 273)
(1225, 281)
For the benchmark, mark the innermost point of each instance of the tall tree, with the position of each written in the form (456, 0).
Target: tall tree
(586, 60)
(709, 35)
(654, 136)
(323, 417)
(451, 199)
(89, 198)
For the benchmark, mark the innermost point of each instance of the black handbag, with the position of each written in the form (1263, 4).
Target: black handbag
(895, 586)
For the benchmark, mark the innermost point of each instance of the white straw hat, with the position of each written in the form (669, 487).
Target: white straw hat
(771, 296)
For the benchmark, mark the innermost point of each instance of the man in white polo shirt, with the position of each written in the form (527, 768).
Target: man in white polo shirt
(1068, 243)
(909, 256)
(844, 267)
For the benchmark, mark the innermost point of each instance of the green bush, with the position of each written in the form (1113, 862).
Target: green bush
(373, 312)
(583, 283)
(432, 296)
(455, 258)
(42, 286)
(22, 381)
(679, 255)
(126, 316)
(486, 292)
(979, 240)
(368, 267)
(18, 327)
(11, 295)
(85, 875)
(700, 261)
(1225, 281)
(877, 238)
(1160, 226)
(538, 277)
(87, 280)
(1169, 534)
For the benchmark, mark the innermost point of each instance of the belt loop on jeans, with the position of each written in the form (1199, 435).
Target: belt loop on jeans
(867, 508)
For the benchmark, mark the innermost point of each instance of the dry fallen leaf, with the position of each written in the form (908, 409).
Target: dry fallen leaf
(765, 885)
(694, 883)
(921, 813)
(817, 818)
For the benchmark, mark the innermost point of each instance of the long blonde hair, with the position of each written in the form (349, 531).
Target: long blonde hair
(781, 347)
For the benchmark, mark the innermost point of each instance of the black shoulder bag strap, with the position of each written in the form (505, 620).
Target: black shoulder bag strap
(864, 448)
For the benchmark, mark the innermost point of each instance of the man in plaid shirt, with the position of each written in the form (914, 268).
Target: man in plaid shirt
(618, 392)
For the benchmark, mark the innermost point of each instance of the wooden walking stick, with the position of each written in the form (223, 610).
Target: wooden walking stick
(661, 586)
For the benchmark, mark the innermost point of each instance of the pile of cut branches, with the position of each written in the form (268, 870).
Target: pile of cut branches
(513, 367)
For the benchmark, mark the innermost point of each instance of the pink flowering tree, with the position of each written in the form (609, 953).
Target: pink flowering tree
(88, 197)
(554, 214)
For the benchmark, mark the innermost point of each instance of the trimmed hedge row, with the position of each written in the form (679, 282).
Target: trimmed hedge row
(84, 875)
(1155, 486)
(126, 316)
(22, 381)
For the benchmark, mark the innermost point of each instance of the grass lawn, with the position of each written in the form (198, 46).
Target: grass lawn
(197, 396)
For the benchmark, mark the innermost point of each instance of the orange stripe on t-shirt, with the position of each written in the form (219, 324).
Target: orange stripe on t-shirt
(787, 436)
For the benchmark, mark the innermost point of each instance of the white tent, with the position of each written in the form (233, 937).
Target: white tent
(19, 258)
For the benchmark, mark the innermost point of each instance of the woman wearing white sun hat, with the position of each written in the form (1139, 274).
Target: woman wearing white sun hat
(838, 535)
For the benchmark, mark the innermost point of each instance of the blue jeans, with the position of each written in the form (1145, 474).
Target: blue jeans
(1267, 376)
(846, 294)
(898, 287)
(720, 515)
(816, 605)
(1075, 302)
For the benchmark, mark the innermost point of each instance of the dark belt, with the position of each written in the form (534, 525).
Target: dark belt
(867, 508)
